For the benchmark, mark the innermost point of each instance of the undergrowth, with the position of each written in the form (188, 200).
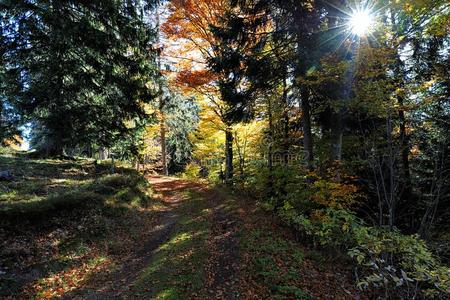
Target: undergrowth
(275, 263)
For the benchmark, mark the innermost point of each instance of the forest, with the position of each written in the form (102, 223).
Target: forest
(224, 149)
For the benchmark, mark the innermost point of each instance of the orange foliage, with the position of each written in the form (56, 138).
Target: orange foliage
(14, 143)
(334, 194)
(191, 19)
(194, 79)
(188, 25)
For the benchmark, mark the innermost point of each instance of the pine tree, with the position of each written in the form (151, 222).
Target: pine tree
(80, 70)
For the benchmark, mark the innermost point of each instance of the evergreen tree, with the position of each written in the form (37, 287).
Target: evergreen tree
(80, 70)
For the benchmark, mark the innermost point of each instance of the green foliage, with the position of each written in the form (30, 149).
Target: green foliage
(182, 120)
(78, 71)
(388, 261)
(294, 187)
(192, 171)
(399, 264)
(392, 262)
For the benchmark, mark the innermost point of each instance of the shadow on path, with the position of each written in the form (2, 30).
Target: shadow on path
(118, 283)
(219, 271)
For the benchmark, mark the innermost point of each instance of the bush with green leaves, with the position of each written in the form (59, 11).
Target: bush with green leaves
(391, 263)
(398, 264)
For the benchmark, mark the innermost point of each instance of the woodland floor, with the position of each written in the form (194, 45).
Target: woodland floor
(198, 242)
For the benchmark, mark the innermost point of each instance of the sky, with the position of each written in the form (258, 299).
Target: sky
(26, 131)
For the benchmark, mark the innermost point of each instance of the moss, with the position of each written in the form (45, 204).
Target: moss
(53, 202)
(43, 187)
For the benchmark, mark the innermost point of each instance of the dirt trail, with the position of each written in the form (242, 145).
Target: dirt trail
(221, 269)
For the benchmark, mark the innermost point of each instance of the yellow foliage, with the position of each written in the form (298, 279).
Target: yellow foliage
(335, 194)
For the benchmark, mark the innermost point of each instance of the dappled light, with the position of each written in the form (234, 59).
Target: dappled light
(224, 149)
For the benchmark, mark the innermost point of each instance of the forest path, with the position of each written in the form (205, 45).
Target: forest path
(191, 253)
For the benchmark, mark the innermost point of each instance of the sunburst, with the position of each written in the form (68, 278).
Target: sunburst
(361, 22)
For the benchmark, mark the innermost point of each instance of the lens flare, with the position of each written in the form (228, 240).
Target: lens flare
(360, 22)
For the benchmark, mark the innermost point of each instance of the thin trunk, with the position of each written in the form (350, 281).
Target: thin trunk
(285, 122)
(307, 134)
(404, 141)
(161, 103)
(392, 195)
(228, 155)
(162, 126)
(270, 142)
(337, 130)
(241, 153)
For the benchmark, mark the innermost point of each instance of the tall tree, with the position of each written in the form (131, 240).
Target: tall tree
(80, 70)
(189, 22)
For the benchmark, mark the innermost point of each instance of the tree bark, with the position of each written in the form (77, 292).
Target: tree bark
(270, 140)
(241, 154)
(337, 130)
(285, 122)
(404, 144)
(404, 141)
(54, 146)
(228, 155)
(162, 123)
(163, 144)
(306, 123)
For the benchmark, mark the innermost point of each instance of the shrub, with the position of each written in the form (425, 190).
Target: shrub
(397, 265)
(192, 171)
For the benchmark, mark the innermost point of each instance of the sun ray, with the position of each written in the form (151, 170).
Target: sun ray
(360, 22)
(338, 8)
(332, 37)
(342, 41)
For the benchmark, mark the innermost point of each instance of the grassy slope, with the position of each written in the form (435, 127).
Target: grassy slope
(63, 220)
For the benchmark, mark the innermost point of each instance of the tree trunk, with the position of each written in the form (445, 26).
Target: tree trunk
(337, 132)
(228, 155)
(405, 151)
(241, 154)
(404, 143)
(163, 145)
(161, 101)
(270, 142)
(307, 134)
(285, 122)
(337, 129)
(53, 147)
